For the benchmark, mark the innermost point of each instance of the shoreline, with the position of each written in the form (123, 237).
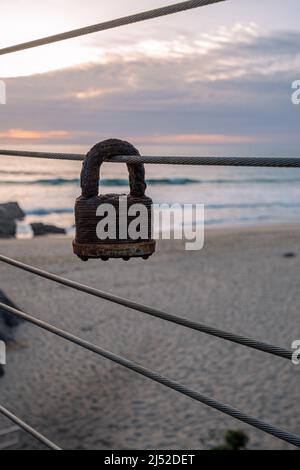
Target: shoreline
(210, 229)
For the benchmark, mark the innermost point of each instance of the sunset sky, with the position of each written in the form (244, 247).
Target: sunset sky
(217, 79)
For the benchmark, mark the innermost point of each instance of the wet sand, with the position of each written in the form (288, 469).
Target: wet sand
(241, 282)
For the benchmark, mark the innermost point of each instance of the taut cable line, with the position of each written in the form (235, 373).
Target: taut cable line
(33, 432)
(242, 340)
(156, 377)
(136, 18)
(267, 162)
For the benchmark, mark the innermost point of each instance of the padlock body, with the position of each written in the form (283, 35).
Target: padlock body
(118, 242)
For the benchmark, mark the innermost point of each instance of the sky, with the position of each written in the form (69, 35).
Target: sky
(214, 80)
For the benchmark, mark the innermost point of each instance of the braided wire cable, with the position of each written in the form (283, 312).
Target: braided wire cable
(33, 432)
(242, 340)
(156, 377)
(271, 162)
(136, 18)
(47, 155)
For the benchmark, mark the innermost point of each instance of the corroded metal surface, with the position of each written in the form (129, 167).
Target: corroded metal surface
(87, 220)
(105, 251)
(105, 150)
(87, 244)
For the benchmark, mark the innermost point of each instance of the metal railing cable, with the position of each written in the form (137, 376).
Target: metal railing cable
(136, 18)
(156, 377)
(37, 435)
(280, 162)
(241, 340)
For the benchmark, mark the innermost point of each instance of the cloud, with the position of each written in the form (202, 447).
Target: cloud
(27, 135)
(232, 87)
(24, 134)
(192, 139)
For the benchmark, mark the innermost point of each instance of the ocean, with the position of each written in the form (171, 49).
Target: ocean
(47, 189)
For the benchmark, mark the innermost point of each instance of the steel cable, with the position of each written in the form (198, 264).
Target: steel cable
(280, 162)
(37, 435)
(146, 15)
(242, 340)
(156, 377)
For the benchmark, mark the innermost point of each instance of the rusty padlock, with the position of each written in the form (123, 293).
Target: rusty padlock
(88, 206)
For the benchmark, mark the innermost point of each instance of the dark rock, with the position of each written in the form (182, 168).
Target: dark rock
(13, 210)
(8, 227)
(9, 213)
(40, 229)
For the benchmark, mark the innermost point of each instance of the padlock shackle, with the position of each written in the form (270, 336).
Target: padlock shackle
(90, 174)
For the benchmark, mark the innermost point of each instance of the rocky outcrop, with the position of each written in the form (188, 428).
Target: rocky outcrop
(40, 229)
(8, 227)
(13, 210)
(9, 213)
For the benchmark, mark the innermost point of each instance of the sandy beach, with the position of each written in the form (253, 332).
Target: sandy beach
(241, 281)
